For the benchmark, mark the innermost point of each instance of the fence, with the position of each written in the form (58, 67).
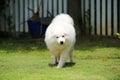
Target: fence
(16, 13)
(101, 17)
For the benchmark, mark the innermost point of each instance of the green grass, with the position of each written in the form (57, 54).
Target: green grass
(28, 59)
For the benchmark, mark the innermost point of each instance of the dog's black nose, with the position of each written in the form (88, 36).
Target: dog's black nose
(61, 42)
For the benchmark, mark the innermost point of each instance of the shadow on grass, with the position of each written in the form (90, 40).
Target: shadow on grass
(26, 44)
(83, 43)
(93, 42)
(67, 64)
(97, 47)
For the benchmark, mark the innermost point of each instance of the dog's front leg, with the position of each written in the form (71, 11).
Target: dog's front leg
(62, 60)
(54, 61)
(71, 56)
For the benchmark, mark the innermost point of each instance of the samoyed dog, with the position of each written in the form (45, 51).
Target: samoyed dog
(60, 39)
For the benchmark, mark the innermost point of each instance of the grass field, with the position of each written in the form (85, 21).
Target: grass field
(28, 59)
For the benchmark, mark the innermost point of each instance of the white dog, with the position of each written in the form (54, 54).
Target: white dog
(60, 39)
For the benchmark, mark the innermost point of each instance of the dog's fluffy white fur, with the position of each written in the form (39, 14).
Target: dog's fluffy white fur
(60, 39)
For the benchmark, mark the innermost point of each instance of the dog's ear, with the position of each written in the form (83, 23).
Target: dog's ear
(65, 34)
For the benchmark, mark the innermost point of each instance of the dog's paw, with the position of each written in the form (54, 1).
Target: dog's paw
(59, 67)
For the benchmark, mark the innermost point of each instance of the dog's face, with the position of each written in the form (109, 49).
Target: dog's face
(61, 39)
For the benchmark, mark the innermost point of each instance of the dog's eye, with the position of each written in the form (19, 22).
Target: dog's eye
(63, 36)
(57, 37)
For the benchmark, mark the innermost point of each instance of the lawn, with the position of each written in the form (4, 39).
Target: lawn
(27, 59)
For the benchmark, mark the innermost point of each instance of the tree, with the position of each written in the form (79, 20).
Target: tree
(74, 10)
